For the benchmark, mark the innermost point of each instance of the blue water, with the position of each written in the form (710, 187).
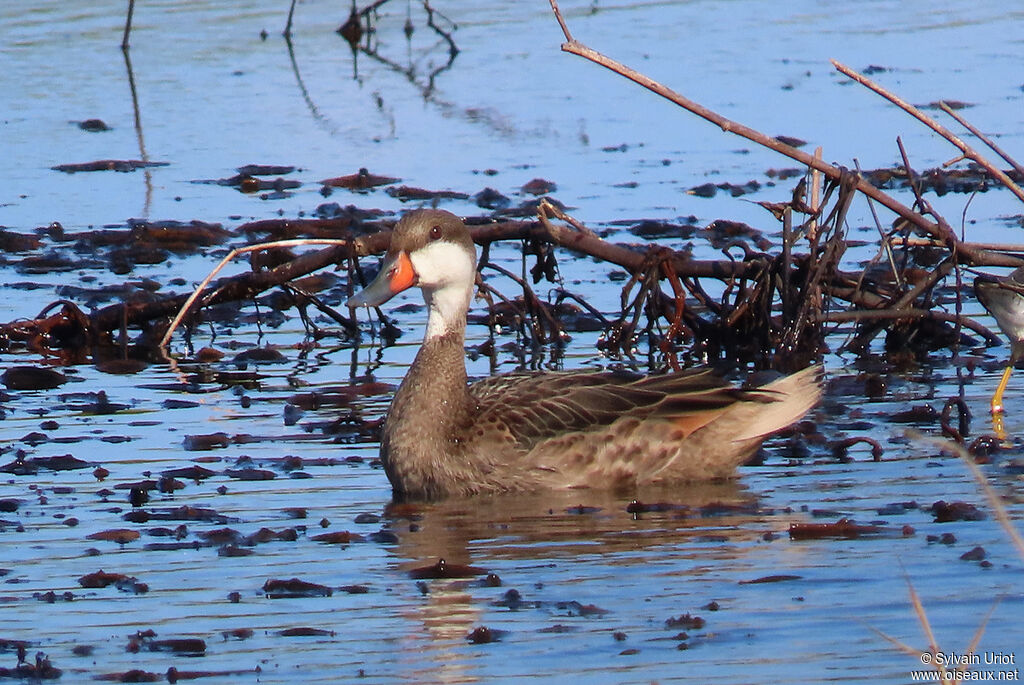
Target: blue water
(213, 95)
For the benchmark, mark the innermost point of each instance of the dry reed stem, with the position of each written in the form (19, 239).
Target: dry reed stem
(931, 123)
(1019, 168)
(938, 229)
(185, 308)
(922, 617)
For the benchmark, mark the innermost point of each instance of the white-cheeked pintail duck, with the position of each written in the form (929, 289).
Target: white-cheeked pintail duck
(444, 437)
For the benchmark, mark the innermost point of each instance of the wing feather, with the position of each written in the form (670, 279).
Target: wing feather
(534, 407)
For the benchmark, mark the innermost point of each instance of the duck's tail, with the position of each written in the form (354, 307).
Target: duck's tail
(787, 400)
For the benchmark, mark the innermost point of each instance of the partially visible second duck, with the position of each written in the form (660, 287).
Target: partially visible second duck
(1004, 299)
(530, 431)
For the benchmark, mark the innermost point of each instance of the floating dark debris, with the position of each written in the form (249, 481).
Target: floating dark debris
(582, 510)
(361, 180)
(637, 507)
(92, 125)
(32, 378)
(776, 578)
(221, 536)
(538, 186)
(443, 569)
(976, 553)
(121, 536)
(51, 597)
(305, 632)
(235, 551)
(686, 621)
(897, 508)
(238, 634)
(277, 589)
(64, 462)
(123, 165)
(268, 535)
(124, 583)
(147, 484)
(250, 474)
(341, 537)
(791, 141)
(247, 183)
(727, 509)
(367, 517)
(134, 675)
(651, 230)
(92, 403)
(259, 355)
(945, 512)
(513, 600)
(409, 194)
(180, 646)
(202, 443)
(354, 589)
(574, 608)
(483, 635)
(196, 473)
(265, 170)
(843, 528)
(558, 629)
(182, 513)
(40, 669)
(17, 242)
(489, 198)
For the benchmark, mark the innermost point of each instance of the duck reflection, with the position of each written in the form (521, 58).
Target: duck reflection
(451, 545)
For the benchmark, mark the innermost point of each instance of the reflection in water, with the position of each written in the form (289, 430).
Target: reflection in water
(314, 109)
(447, 617)
(354, 33)
(564, 524)
(549, 529)
(143, 155)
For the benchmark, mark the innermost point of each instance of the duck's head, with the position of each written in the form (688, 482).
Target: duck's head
(432, 249)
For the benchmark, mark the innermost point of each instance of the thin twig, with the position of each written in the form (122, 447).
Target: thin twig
(939, 230)
(929, 242)
(911, 314)
(931, 123)
(1017, 166)
(185, 308)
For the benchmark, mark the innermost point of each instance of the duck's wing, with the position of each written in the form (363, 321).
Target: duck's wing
(531, 408)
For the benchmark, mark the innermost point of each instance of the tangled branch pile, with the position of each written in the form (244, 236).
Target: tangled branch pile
(771, 307)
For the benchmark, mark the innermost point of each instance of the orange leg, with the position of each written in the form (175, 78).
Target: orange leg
(997, 427)
(997, 398)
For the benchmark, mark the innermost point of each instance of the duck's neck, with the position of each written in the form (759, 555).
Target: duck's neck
(420, 444)
(446, 313)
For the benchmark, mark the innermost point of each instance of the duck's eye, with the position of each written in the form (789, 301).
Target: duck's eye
(435, 232)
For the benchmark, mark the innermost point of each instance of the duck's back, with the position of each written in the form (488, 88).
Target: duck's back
(612, 429)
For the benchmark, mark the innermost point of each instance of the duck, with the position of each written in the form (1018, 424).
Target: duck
(532, 431)
(1003, 298)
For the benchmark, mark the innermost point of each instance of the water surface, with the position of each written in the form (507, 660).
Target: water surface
(599, 587)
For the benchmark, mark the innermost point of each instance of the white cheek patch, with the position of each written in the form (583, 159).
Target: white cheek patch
(442, 263)
(446, 273)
